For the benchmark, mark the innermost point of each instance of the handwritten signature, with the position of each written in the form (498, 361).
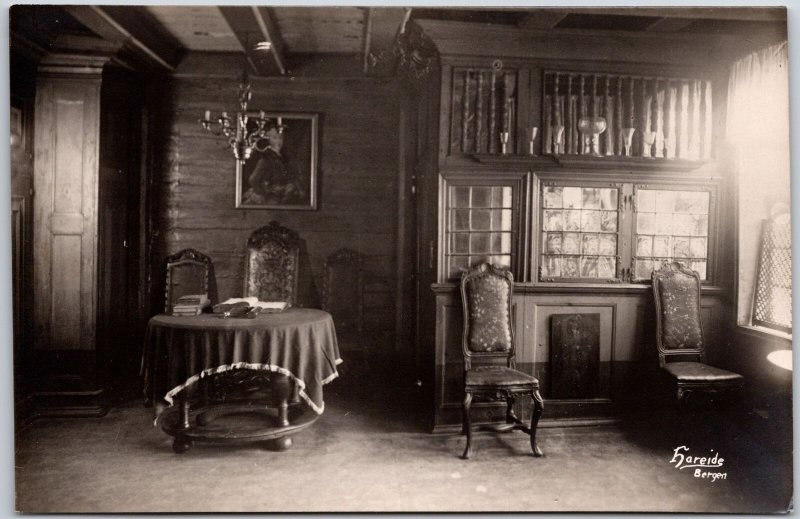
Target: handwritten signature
(683, 460)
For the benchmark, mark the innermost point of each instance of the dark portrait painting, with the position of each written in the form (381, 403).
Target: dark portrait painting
(281, 172)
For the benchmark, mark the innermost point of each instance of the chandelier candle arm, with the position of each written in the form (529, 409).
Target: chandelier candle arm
(241, 139)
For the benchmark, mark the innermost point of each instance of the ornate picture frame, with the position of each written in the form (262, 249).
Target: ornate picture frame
(282, 171)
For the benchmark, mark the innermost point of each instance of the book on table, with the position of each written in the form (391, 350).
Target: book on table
(248, 306)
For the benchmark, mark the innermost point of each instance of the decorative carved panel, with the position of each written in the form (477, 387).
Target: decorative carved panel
(575, 355)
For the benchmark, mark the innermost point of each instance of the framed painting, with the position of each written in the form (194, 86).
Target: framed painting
(281, 173)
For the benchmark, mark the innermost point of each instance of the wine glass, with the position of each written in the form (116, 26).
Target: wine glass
(533, 133)
(504, 136)
(648, 138)
(591, 128)
(627, 139)
(558, 138)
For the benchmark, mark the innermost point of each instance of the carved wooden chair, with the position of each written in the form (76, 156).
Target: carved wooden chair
(679, 334)
(270, 274)
(489, 336)
(272, 264)
(188, 273)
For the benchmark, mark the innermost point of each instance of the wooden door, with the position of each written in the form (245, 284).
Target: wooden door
(120, 320)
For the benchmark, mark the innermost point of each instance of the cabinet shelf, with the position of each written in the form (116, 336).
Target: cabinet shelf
(496, 158)
(592, 162)
(639, 163)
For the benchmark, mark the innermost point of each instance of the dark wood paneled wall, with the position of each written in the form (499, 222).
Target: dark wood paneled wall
(358, 172)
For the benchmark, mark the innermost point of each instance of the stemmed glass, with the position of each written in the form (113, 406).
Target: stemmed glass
(558, 138)
(648, 138)
(532, 133)
(591, 128)
(627, 139)
(504, 136)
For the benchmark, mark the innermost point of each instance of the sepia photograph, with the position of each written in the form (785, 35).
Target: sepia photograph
(400, 259)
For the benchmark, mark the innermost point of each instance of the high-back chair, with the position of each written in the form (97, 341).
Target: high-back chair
(488, 339)
(272, 264)
(188, 273)
(679, 334)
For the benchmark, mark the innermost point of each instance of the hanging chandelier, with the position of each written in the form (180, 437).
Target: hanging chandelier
(245, 134)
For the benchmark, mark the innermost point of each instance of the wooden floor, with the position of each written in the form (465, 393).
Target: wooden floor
(369, 453)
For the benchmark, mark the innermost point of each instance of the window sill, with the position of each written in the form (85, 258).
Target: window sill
(576, 288)
(762, 332)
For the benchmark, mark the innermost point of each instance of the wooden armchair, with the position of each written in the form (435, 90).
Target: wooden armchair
(188, 272)
(679, 334)
(489, 336)
(272, 264)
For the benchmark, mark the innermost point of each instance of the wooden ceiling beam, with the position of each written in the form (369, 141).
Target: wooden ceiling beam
(542, 19)
(750, 14)
(132, 27)
(367, 39)
(669, 24)
(253, 25)
(266, 20)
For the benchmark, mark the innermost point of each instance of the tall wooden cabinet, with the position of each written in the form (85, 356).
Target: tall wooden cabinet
(580, 221)
(87, 305)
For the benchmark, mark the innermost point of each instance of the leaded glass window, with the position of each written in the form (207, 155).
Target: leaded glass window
(670, 225)
(772, 304)
(479, 227)
(579, 227)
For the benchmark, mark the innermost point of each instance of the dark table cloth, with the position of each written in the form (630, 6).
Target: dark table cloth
(298, 342)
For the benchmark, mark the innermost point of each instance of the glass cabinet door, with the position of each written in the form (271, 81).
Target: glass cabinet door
(579, 227)
(670, 225)
(480, 226)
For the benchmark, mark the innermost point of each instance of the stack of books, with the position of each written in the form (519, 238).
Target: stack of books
(191, 304)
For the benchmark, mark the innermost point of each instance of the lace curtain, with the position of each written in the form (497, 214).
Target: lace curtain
(757, 135)
(758, 100)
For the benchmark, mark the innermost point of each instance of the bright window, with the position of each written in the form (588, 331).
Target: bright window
(772, 304)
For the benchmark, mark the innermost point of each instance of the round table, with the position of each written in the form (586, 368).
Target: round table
(296, 347)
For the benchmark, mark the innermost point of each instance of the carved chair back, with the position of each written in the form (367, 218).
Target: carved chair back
(272, 264)
(343, 290)
(187, 274)
(679, 331)
(486, 298)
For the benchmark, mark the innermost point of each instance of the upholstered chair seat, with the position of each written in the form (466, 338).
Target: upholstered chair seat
(484, 376)
(697, 372)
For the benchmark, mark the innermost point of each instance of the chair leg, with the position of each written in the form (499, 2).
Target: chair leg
(538, 408)
(467, 425)
(510, 417)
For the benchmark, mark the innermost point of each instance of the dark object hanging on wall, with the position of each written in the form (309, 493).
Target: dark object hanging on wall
(575, 355)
